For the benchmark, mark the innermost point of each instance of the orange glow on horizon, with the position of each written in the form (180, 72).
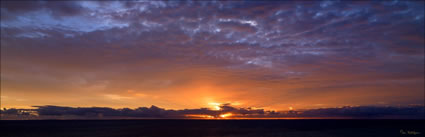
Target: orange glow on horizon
(215, 106)
(226, 115)
(199, 116)
(202, 116)
(210, 64)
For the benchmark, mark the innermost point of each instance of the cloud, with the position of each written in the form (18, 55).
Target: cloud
(370, 112)
(143, 112)
(296, 49)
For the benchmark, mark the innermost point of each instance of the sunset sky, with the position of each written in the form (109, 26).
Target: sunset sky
(178, 55)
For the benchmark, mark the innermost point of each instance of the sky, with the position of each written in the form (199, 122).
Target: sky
(187, 55)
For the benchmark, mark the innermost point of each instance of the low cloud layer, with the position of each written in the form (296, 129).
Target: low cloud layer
(226, 112)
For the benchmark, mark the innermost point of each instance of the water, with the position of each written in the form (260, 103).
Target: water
(212, 128)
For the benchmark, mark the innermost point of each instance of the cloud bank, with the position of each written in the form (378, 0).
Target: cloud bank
(226, 112)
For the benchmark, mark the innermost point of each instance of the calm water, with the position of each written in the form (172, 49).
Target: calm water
(212, 128)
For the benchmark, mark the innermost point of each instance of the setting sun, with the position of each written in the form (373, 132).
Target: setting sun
(226, 115)
(215, 106)
(212, 68)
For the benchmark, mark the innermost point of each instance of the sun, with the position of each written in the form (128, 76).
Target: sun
(226, 115)
(215, 106)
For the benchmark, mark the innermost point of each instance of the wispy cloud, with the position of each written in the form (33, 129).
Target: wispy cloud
(259, 53)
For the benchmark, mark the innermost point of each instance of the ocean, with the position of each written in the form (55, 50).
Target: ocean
(213, 128)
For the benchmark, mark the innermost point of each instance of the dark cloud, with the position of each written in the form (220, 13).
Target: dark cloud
(368, 112)
(144, 112)
(21, 6)
(371, 112)
(65, 8)
(55, 8)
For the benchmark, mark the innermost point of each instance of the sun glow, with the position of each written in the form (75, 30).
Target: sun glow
(199, 116)
(226, 115)
(215, 106)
